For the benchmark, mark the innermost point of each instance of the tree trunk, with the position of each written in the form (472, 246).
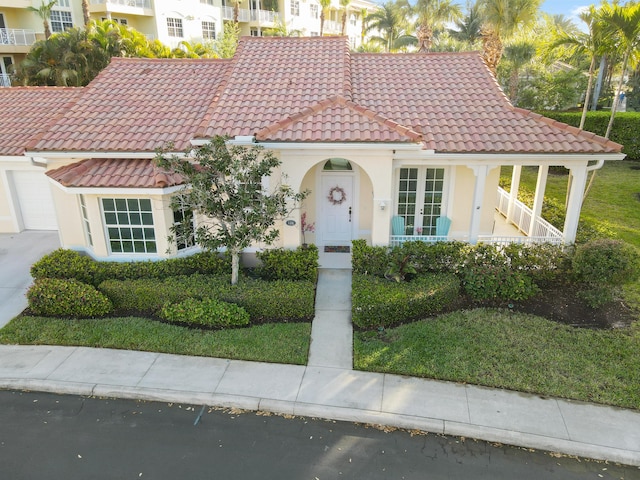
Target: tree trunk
(587, 95)
(598, 87)
(344, 22)
(235, 267)
(47, 30)
(514, 80)
(85, 12)
(491, 49)
(321, 21)
(236, 12)
(614, 105)
(425, 38)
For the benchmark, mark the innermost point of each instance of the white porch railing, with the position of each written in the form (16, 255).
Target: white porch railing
(263, 16)
(397, 240)
(5, 80)
(331, 26)
(13, 36)
(542, 232)
(521, 218)
(243, 14)
(125, 3)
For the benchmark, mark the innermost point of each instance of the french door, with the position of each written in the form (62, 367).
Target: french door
(420, 199)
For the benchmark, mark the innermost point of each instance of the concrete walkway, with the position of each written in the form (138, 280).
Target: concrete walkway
(328, 387)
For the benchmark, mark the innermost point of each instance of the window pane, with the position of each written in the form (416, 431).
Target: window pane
(124, 221)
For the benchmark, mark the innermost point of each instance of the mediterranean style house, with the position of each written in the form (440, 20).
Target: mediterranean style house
(174, 21)
(393, 147)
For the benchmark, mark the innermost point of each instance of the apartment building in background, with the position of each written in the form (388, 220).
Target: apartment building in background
(173, 21)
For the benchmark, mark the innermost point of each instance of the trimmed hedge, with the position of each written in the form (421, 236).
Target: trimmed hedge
(626, 127)
(53, 297)
(264, 301)
(206, 313)
(380, 303)
(281, 264)
(367, 260)
(69, 264)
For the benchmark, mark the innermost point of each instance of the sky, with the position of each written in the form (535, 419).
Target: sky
(567, 7)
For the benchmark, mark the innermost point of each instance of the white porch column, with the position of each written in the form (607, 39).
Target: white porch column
(541, 185)
(481, 172)
(578, 183)
(513, 191)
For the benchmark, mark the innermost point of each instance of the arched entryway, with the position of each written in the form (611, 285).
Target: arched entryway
(336, 203)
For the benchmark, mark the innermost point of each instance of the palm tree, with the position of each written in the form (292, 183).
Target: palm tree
(324, 7)
(575, 43)
(86, 16)
(433, 15)
(623, 22)
(518, 54)
(501, 19)
(44, 12)
(468, 27)
(345, 11)
(364, 14)
(390, 23)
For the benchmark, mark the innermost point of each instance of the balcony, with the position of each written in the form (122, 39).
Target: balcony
(263, 16)
(243, 14)
(133, 7)
(332, 27)
(5, 80)
(12, 36)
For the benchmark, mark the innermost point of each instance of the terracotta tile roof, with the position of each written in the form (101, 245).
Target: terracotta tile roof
(26, 112)
(114, 173)
(275, 77)
(290, 89)
(337, 120)
(137, 104)
(456, 103)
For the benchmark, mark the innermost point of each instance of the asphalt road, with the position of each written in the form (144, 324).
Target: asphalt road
(46, 436)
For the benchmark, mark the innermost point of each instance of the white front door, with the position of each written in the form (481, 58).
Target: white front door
(336, 209)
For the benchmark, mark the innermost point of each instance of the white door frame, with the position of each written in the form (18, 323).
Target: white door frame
(355, 205)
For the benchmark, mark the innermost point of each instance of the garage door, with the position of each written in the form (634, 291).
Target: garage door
(34, 200)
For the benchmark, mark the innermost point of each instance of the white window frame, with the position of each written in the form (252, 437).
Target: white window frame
(314, 10)
(175, 27)
(60, 21)
(208, 30)
(414, 223)
(147, 230)
(85, 220)
(295, 8)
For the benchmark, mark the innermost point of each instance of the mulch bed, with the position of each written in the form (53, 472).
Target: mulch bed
(564, 306)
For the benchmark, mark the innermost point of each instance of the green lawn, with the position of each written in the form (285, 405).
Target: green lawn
(498, 348)
(276, 342)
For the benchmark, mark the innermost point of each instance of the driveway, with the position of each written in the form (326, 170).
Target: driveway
(18, 251)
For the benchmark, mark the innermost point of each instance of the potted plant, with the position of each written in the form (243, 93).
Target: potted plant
(306, 227)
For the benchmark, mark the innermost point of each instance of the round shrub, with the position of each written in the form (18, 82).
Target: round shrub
(67, 264)
(606, 261)
(205, 313)
(53, 297)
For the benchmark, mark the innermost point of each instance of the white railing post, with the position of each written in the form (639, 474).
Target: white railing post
(513, 191)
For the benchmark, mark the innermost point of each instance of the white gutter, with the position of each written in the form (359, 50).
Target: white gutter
(500, 158)
(116, 190)
(88, 154)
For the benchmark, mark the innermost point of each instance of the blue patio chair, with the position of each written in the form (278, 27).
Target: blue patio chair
(397, 225)
(442, 226)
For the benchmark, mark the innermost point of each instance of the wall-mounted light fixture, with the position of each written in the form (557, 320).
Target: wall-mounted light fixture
(383, 204)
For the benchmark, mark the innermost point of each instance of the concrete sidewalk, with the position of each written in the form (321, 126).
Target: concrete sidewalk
(440, 407)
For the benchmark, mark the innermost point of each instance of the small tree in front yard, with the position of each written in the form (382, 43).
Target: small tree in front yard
(224, 184)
